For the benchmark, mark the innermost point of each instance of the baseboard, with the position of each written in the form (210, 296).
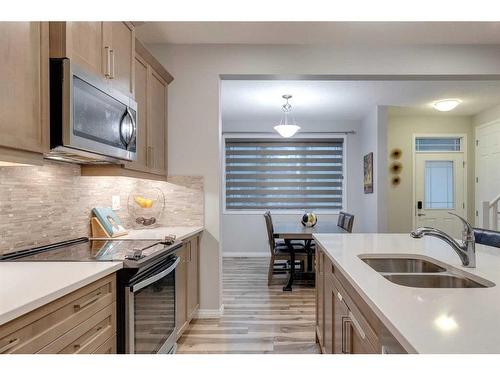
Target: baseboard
(210, 313)
(237, 254)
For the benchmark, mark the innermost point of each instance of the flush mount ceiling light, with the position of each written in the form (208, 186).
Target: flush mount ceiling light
(446, 105)
(287, 127)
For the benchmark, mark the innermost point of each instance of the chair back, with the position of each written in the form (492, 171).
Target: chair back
(270, 231)
(340, 221)
(348, 222)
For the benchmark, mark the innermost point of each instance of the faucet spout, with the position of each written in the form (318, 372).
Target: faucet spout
(465, 250)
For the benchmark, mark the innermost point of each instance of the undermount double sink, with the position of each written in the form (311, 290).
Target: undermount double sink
(417, 272)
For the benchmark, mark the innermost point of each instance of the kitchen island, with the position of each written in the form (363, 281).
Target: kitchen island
(421, 320)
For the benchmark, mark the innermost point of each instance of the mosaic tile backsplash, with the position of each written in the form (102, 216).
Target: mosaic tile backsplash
(51, 203)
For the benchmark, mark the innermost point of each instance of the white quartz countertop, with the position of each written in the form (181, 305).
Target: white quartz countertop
(159, 233)
(424, 320)
(25, 286)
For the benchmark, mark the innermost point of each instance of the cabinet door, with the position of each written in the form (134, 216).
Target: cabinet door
(84, 45)
(193, 272)
(328, 316)
(141, 97)
(24, 88)
(181, 291)
(355, 339)
(157, 124)
(320, 305)
(340, 314)
(122, 52)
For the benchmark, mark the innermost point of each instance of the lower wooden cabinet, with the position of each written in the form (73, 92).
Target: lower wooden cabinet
(345, 324)
(187, 284)
(81, 322)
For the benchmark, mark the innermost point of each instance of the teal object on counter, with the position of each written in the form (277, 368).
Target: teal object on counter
(109, 220)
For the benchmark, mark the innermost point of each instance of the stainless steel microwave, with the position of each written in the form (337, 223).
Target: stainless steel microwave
(90, 122)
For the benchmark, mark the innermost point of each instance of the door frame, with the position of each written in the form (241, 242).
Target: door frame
(478, 216)
(463, 150)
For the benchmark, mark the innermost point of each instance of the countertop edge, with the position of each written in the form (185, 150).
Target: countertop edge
(48, 298)
(391, 327)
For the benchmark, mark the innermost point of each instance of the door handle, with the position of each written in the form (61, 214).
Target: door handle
(346, 335)
(112, 59)
(419, 214)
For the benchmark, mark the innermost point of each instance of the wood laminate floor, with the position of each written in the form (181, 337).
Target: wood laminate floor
(257, 318)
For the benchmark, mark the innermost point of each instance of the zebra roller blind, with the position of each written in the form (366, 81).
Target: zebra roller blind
(284, 174)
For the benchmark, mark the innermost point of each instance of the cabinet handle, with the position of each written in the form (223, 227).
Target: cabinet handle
(112, 63)
(339, 296)
(357, 325)
(79, 306)
(12, 343)
(107, 71)
(346, 335)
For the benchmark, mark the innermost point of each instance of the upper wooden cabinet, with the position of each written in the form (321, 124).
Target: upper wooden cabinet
(105, 49)
(24, 52)
(157, 124)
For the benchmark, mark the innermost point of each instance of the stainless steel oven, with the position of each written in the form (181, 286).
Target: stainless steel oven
(90, 121)
(150, 309)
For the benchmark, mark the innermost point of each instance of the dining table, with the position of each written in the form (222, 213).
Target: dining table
(294, 230)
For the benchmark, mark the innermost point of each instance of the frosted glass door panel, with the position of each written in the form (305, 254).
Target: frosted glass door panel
(439, 185)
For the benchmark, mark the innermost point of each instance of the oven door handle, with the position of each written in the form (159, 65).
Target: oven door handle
(144, 283)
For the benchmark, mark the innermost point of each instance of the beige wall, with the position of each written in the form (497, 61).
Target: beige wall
(51, 203)
(400, 135)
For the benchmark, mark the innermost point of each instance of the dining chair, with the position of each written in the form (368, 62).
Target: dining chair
(340, 220)
(280, 251)
(347, 222)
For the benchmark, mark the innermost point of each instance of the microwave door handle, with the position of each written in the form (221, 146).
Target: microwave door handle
(134, 127)
(127, 140)
(144, 283)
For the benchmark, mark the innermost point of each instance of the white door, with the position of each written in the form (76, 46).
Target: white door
(440, 189)
(487, 166)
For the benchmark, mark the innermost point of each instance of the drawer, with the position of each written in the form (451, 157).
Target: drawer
(109, 347)
(33, 331)
(87, 336)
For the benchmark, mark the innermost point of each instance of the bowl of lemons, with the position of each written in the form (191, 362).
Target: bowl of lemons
(146, 208)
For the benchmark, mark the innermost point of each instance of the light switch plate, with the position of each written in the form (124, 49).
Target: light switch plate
(115, 202)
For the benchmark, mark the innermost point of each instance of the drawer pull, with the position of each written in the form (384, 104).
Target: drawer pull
(76, 346)
(79, 306)
(357, 325)
(12, 343)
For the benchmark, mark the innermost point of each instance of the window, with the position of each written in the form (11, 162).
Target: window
(439, 185)
(437, 144)
(284, 174)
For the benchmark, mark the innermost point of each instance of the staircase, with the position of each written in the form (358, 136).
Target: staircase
(490, 214)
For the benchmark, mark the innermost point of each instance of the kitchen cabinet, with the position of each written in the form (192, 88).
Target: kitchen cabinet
(81, 322)
(105, 49)
(193, 275)
(187, 277)
(320, 320)
(24, 92)
(157, 124)
(120, 37)
(349, 325)
(181, 318)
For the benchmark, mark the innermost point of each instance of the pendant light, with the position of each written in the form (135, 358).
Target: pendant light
(287, 128)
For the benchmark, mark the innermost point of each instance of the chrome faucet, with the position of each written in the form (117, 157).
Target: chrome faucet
(466, 250)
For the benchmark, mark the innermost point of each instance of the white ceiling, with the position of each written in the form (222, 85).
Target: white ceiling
(258, 102)
(344, 33)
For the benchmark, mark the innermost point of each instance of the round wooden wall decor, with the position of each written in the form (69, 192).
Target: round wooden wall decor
(396, 153)
(396, 167)
(396, 180)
